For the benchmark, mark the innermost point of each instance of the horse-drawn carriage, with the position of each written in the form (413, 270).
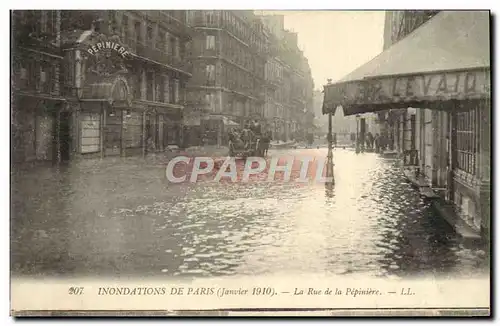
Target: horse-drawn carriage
(251, 148)
(246, 144)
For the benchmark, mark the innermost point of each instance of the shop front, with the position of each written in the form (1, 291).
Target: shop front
(108, 124)
(40, 129)
(215, 129)
(441, 72)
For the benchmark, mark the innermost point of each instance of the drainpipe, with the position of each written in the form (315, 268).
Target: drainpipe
(329, 171)
(103, 123)
(78, 70)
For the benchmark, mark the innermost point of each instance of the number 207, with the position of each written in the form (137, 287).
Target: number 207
(75, 290)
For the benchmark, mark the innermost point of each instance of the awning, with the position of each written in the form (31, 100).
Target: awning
(196, 120)
(225, 120)
(113, 89)
(447, 58)
(229, 122)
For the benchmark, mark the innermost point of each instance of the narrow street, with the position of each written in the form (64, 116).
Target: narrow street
(122, 217)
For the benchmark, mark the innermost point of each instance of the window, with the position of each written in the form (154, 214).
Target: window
(137, 84)
(149, 36)
(138, 34)
(125, 28)
(171, 46)
(210, 73)
(210, 100)
(90, 132)
(467, 149)
(160, 40)
(210, 17)
(177, 50)
(150, 78)
(159, 91)
(176, 91)
(166, 89)
(43, 21)
(43, 79)
(113, 25)
(24, 74)
(171, 90)
(210, 42)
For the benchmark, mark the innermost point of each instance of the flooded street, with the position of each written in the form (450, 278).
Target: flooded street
(122, 217)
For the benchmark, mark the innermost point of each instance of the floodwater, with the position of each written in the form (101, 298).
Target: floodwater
(123, 217)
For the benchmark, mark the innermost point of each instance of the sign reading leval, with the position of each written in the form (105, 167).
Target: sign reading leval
(420, 87)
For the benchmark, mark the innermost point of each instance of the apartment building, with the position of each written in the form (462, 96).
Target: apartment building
(134, 103)
(289, 92)
(36, 91)
(117, 79)
(244, 71)
(229, 54)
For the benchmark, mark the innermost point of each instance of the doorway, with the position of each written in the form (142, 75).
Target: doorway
(64, 136)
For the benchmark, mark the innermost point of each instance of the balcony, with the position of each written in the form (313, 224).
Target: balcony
(202, 22)
(29, 36)
(172, 20)
(275, 81)
(197, 104)
(264, 51)
(151, 53)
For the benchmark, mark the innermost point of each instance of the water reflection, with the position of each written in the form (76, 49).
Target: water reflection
(121, 217)
(329, 189)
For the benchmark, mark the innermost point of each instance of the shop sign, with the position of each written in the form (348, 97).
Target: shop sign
(411, 88)
(97, 47)
(105, 56)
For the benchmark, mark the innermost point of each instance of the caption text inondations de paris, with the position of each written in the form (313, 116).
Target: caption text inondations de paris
(250, 291)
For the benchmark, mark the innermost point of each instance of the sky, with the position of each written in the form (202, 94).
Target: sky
(336, 42)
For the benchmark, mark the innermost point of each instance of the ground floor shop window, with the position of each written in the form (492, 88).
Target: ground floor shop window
(90, 126)
(171, 133)
(132, 130)
(467, 140)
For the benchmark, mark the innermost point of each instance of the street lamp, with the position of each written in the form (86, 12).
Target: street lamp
(357, 133)
(329, 164)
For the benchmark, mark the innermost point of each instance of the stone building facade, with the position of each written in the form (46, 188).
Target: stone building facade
(244, 72)
(451, 146)
(113, 82)
(37, 99)
(228, 56)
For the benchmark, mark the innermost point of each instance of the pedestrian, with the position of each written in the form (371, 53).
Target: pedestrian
(376, 142)
(266, 142)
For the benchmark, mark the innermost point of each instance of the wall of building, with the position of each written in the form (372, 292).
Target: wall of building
(244, 71)
(154, 75)
(448, 141)
(35, 84)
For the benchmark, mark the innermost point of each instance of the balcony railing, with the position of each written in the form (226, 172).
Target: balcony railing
(173, 20)
(202, 22)
(152, 53)
(263, 51)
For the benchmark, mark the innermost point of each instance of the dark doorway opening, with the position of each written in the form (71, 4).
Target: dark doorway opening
(64, 136)
(147, 133)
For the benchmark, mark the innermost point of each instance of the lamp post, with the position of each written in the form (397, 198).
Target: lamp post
(329, 163)
(357, 133)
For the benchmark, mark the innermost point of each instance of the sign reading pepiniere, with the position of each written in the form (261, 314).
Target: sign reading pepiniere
(94, 49)
(457, 85)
